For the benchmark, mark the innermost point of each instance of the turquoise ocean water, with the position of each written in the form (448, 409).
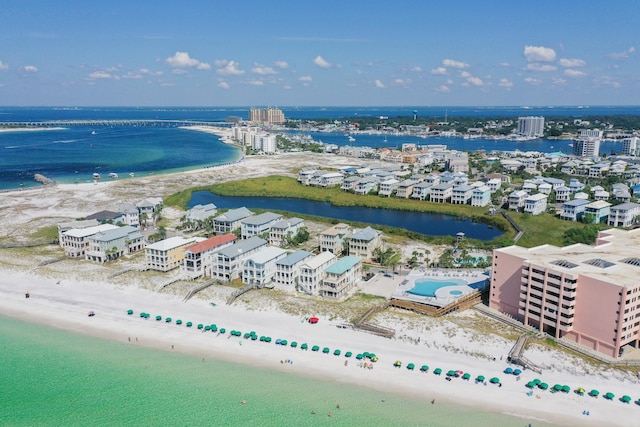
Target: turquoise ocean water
(52, 377)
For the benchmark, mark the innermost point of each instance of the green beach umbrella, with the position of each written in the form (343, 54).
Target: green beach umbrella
(557, 387)
(451, 373)
(348, 354)
(609, 396)
(213, 327)
(315, 348)
(594, 392)
(359, 356)
(158, 317)
(294, 344)
(189, 324)
(437, 371)
(178, 322)
(411, 366)
(424, 368)
(168, 320)
(304, 346)
(326, 350)
(200, 326)
(626, 399)
(494, 380)
(283, 342)
(566, 389)
(336, 352)
(543, 386)
(207, 328)
(537, 381)
(222, 330)
(531, 384)
(129, 312)
(466, 376)
(480, 378)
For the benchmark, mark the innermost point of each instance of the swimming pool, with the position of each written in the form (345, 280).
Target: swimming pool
(427, 287)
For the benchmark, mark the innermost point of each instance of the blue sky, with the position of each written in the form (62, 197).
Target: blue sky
(208, 53)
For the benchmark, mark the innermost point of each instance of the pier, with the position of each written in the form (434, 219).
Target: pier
(111, 123)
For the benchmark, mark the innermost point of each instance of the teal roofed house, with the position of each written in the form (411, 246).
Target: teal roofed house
(341, 277)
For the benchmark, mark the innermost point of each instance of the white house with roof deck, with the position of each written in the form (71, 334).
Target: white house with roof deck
(599, 209)
(66, 226)
(405, 188)
(201, 212)
(288, 269)
(545, 188)
(305, 174)
(131, 215)
(349, 183)
(260, 267)
(111, 244)
(198, 257)
(149, 209)
(623, 215)
(516, 200)
(388, 186)
(316, 178)
(167, 254)
(341, 277)
(258, 224)
(76, 240)
(230, 220)
(421, 191)
(331, 239)
(441, 193)
(573, 210)
(432, 179)
(284, 229)
(575, 185)
(535, 204)
(494, 184)
(363, 241)
(228, 262)
(563, 194)
(365, 185)
(312, 272)
(462, 194)
(331, 179)
(601, 195)
(481, 196)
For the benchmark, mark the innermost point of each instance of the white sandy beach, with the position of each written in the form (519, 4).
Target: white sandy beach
(62, 300)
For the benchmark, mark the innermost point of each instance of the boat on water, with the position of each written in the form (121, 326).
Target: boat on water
(351, 139)
(96, 175)
(93, 132)
(132, 174)
(113, 175)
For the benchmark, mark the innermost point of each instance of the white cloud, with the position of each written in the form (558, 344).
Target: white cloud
(305, 78)
(532, 81)
(3, 66)
(559, 81)
(255, 82)
(149, 72)
(505, 83)
(606, 80)
(281, 64)
(228, 68)
(505, 64)
(465, 74)
(541, 67)
(321, 62)
(443, 89)
(622, 55)
(30, 68)
(379, 84)
(416, 69)
(223, 85)
(167, 84)
(100, 75)
(439, 71)
(203, 66)
(476, 81)
(574, 73)
(454, 64)
(183, 60)
(572, 63)
(402, 82)
(179, 71)
(132, 75)
(262, 70)
(539, 54)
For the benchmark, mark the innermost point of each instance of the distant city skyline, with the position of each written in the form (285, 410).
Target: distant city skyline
(204, 53)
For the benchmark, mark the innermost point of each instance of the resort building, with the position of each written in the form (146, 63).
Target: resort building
(269, 115)
(228, 262)
(623, 215)
(66, 226)
(230, 220)
(630, 146)
(288, 269)
(535, 204)
(531, 126)
(586, 294)
(332, 239)
(258, 224)
(199, 257)
(111, 244)
(200, 213)
(341, 277)
(363, 241)
(312, 272)
(586, 147)
(76, 240)
(259, 268)
(283, 230)
(167, 254)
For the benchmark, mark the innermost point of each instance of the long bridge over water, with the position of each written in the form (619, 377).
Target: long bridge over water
(111, 123)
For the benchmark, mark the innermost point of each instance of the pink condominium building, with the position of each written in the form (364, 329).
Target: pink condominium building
(586, 294)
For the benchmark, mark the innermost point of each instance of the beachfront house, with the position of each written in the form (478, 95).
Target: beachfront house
(284, 230)
(331, 239)
(363, 241)
(258, 224)
(312, 272)
(461, 195)
(563, 194)
(341, 277)
(288, 269)
(366, 185)
(167, 254)
(317, 177)
(405, 188)
(481, 196)
(199, 257)
(66, 226)
(599, 209)
(388, 187)
(441, 193)
(229, 261)
(623, 215)
(111, 244)
(149, 210)
(516, 200)
(199, 213)
(535, 204)
(573, 210)
(130, 213)
(349, 183)
(421, 191)
(230, 220)
(331, 179)
(107, 217)
(259, 268)
(305, 174)
(75, 241)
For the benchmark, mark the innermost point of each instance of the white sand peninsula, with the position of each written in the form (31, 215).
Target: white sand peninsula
(63, 293)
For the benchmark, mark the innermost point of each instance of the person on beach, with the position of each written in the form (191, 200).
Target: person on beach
(27, 294)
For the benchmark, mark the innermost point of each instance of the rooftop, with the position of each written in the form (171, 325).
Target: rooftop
(211, 243)
(343, 265)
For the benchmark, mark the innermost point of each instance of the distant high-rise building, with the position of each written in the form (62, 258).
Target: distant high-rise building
(630, 146)
(268, 115)
(531, 126)
(586, 147)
